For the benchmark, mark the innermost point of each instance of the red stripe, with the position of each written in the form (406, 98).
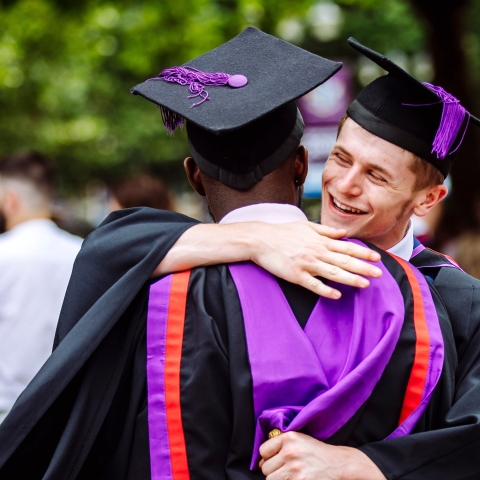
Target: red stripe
(418, 375)
(173, 356)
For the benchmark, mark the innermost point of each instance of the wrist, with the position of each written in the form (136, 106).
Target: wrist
(250, 239)
(359, 466)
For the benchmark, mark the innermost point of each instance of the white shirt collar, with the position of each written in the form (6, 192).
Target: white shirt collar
(404, 247)
(265, 212)
(285, 213)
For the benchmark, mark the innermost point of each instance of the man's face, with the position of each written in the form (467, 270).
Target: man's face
(367, 187)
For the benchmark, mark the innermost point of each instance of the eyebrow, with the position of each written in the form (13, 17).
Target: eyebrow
(373, 166)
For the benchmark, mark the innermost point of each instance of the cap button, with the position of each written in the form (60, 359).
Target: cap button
(237, 81)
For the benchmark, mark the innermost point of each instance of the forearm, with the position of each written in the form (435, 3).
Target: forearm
(298, 252)
(210, 244)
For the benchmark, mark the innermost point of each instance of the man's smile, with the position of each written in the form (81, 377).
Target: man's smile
(346, 209)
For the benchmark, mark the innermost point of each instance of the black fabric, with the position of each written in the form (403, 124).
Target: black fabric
(450, 448)
(114, 263)
(399, 103)
(301, 301)
(277, 71)
(242, 134)
(242, 158)
(93, 423)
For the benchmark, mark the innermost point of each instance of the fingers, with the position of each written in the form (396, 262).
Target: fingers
(348, 248)
(269, 450)
(328, 231)
(353, 250)
(272, 465)
(317, 286)
(345, 263)
(271, 447)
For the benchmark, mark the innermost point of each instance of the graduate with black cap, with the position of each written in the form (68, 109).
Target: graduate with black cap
(92, 417)
(153, 380)
(401, 136)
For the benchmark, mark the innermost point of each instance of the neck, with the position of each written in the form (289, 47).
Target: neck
(22, 217)
(393, 238)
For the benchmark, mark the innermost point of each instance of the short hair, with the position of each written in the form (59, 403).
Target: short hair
(143, 190)
(32, 168)
(426, 174)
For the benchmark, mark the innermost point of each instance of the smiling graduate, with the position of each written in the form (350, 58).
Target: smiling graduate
(188, 376)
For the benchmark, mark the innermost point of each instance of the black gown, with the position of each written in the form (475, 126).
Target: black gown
(84, 416)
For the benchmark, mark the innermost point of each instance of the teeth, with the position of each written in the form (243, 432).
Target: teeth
(345, 208)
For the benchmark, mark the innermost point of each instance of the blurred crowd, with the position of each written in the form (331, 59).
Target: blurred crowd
(36, 261)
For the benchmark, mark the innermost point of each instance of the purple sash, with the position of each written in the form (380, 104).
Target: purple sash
(315, 379)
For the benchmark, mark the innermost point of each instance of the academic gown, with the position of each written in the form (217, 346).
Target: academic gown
(85, 414)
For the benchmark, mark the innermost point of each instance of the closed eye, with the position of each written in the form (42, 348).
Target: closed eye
(376, 177)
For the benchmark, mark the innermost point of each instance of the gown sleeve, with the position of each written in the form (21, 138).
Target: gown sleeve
(120, 255)
(451, 449)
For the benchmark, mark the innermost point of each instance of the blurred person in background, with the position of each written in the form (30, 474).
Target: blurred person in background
(141, 190)
(36, 260)
(465, 248)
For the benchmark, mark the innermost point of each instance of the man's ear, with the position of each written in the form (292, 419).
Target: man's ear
(11, 203)
(429, 198)
(194, 175)
(301, 166)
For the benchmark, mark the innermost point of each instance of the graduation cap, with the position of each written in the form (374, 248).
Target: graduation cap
(419, 117)
(239, 103)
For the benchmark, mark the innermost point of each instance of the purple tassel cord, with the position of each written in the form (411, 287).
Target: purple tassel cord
(453, 117)
(197, 81)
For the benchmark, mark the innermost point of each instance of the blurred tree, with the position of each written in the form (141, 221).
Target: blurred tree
(449, 33)
(66, 67)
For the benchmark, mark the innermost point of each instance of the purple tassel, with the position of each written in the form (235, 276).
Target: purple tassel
(171, 120)
(453, 117)
(196, 80)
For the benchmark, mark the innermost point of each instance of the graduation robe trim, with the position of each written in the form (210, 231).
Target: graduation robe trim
(319, 385)
(165, 326)
(429, 352)
(427, 258)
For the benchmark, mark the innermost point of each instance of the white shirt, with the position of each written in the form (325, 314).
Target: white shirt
(404, 248)
(284, 213)
(36, 260)
(265, 212)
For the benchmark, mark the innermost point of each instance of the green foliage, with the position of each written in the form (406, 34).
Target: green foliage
(66, 69)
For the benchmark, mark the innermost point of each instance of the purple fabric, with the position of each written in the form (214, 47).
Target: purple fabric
(315, 379)
(420, 248)
(435, 360)
(160, 464)
(417, 250)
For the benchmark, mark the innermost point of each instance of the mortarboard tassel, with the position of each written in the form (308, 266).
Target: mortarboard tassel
(197, 81)
(453, 117)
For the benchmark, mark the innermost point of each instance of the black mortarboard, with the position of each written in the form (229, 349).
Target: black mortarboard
(242, 120)
(419, 117)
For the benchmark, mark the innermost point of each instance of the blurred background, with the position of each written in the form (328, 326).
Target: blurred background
(66, 68)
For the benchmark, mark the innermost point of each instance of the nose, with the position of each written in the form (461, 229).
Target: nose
(349, 184)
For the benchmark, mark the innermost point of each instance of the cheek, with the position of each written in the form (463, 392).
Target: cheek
(328, 173)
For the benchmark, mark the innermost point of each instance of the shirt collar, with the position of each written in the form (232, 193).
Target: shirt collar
(404, 247)
(265, 212)
(285, 213)
(33, 224)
